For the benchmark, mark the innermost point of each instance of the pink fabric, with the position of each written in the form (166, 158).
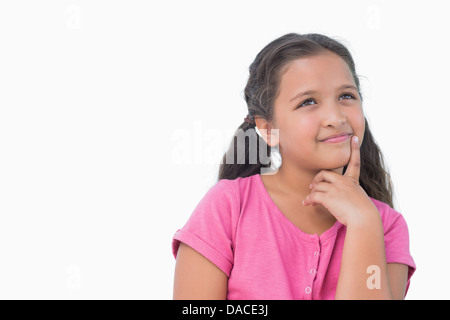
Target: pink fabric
(239, 228)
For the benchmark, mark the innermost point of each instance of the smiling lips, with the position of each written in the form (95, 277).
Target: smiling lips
(337, 138)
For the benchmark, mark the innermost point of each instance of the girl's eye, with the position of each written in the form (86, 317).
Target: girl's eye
(348, 95)
(308, 102)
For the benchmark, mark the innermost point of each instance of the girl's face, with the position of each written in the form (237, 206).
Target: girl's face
(317, 98)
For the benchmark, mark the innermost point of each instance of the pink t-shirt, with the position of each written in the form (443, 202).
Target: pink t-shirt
(238, 227)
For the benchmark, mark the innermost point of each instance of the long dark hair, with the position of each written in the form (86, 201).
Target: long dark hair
(260, 93)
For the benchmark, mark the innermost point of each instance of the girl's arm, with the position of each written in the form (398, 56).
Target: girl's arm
(364, 273)
(398, 278)
(197, 278)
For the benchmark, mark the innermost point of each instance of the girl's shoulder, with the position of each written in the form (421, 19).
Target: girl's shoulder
(239, 186)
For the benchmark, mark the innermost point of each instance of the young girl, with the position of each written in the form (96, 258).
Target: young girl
(321, 226)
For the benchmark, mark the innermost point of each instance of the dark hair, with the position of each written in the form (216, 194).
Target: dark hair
(260, 93)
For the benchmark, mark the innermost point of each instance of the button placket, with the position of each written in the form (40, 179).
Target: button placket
(312, 271)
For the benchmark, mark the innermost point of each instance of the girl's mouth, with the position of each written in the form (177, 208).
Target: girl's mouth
(337, 139)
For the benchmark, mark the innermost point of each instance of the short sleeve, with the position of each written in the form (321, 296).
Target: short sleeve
(396, 240)
(211, 227)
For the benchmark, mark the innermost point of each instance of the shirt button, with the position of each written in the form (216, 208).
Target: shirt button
(316, 253)
(308, 290)
(312, 271)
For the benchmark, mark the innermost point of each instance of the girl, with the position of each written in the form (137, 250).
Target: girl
(321, 226)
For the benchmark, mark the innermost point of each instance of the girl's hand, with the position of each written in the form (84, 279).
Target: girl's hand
(341, 194)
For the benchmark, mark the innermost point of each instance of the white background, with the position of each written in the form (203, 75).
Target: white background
(114, 116)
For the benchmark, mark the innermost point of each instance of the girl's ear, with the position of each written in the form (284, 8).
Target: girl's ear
(270, 135)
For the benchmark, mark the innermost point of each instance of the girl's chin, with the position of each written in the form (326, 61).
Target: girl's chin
(337, 168)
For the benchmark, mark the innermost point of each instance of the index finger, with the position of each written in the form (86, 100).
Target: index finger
(354, 164)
